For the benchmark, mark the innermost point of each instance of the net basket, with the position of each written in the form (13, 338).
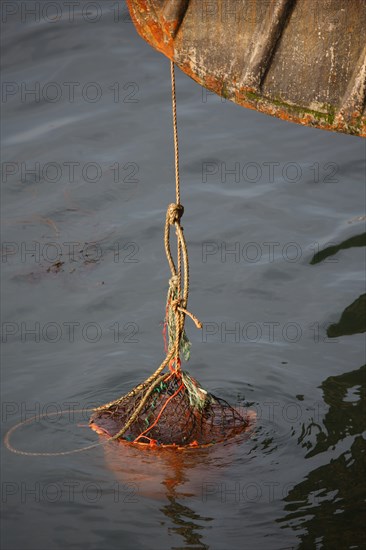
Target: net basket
(176, 411)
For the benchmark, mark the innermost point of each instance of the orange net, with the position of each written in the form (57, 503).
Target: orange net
(177, 412)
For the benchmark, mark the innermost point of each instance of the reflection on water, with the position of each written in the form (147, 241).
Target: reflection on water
(176, 477)
(356, 241)
(335, 491)
(352, 321)
(167, 472)
(345, 417)
(186, 522)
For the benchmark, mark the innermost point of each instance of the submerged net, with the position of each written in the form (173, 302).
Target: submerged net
(177, 411)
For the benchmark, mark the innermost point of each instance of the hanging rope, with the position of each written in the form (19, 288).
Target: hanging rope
(177, 298)
(175, 132)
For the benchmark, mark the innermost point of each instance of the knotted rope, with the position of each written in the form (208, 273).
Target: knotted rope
(177, 298)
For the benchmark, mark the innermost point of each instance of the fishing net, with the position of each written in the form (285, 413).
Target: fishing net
(175, 411)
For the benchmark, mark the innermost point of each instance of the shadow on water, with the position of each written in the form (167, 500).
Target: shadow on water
(352, 242)
(352, 321)
(330, 502)
(353, 318)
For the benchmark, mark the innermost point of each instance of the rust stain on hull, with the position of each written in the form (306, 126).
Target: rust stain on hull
(302, 61)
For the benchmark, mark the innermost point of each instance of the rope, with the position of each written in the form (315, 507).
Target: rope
(175, 132)
(177, 300)
(160, 413)
(10, 447)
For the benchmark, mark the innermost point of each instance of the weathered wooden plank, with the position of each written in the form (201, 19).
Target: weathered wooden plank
(299, 60)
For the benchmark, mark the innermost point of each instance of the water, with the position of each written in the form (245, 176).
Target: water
(274, 338)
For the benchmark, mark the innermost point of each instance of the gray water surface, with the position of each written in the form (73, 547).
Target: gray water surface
(274, 220)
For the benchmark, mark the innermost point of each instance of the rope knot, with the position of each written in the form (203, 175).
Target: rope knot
(174, 213)
(176, 304)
